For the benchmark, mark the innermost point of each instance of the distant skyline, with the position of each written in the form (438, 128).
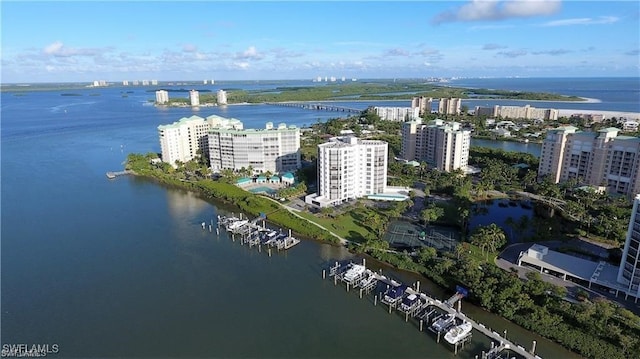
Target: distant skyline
(83, 41)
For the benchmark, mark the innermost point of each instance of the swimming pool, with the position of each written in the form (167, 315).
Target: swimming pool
(263, 189)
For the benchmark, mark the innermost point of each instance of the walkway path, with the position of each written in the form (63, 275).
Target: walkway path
(343, 241)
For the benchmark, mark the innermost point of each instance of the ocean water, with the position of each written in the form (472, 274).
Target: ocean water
(122, 268)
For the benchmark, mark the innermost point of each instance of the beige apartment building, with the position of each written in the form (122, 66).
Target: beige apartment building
(601, 158)
(423, 104)
(449, 106)
(273, 149)
(181, 140)
(443, 145)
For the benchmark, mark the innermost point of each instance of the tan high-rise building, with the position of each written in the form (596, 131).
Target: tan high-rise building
(443, 145)
(594, 158)
(423, 104)
(272, 149)
(449, 106)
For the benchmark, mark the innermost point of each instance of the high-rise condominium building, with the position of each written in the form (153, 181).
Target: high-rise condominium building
(399, 114)
(182, 140)
(162, 96)
(194, 98)
(349, 168)
(629, 272)
(443, 145)
(273, 149)
(601, 158)
(423, 104)
(449, 106)
(222, 97)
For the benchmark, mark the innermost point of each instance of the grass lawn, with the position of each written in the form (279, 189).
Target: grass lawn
(345, 225)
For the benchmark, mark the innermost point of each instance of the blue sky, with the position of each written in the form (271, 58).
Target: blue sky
(171, 40)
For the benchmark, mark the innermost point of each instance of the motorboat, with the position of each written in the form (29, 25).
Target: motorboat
(393, 294)
(354, 272)
(408, 302)
(443, 322)
(457, 333)
(367, 280)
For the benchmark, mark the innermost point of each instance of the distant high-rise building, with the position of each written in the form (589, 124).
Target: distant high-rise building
(423, 104)
(136, 82)
(400, 114)
(194, 98)
(162, 96)
(145, 82)
(204, 82)
(599, 158)
(349, 168)
(444, 145)
(125, 83)
(449, 106)
(629, 272)
(154, 82)
(222, 97)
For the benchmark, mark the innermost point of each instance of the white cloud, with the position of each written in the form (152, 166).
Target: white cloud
(58, 49)
(189, 48)
(583, 21)
(482, 10)
(241, 65)
(249, 54)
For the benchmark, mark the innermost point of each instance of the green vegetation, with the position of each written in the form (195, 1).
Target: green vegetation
(221, 191)
(398, 90)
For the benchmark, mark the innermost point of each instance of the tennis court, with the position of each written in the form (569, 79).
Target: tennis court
(407, 235)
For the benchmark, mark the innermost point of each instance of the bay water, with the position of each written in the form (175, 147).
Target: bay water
(108, 268)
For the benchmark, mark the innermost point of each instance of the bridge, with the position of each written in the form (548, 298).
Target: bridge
(499, 342)
(316, 106)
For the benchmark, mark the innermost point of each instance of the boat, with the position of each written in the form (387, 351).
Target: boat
(443, 322)
(354, 272)
(393, 294)
(236, 224)
(408, 302)
(368, 279)
(457, 333)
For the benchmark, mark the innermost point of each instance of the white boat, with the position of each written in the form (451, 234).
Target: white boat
(354, 272)
(236, 224)
(367, 280)
(457, 333)
(444, 322)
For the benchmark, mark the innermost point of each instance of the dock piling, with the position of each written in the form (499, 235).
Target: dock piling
(533, 348)
(324, 273)
(421, 321)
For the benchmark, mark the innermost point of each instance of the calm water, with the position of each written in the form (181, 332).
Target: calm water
(531, 148)
(122, 268)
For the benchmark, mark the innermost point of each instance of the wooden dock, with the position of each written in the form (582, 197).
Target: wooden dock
(428, 308)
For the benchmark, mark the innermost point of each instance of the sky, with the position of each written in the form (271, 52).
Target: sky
(77, 41)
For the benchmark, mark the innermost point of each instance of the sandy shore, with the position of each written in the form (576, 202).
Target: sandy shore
(606, 114)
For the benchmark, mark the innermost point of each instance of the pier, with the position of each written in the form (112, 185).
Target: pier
(255, 235)
(425, 309)
(316, 106)
(112, 175)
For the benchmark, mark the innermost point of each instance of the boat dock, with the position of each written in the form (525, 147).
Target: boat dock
(423, 308)
(254, 234)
